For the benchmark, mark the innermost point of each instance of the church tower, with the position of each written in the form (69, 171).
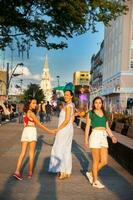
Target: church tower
(46, 82)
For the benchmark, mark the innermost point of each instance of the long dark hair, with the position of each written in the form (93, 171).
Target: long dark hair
(27, 104)
(102, 108)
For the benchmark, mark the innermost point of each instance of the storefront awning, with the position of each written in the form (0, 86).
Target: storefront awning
(59, 88)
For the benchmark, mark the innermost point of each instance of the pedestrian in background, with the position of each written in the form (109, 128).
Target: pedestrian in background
(48, 109)
(1, 111)
(42, 111)
(20, 108)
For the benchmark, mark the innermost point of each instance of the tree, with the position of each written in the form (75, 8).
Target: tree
(43, 20)
(34, 91)
(61, 99)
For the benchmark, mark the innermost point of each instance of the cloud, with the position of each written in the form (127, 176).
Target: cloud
(23, 80)
(24, 71)
(26, 74)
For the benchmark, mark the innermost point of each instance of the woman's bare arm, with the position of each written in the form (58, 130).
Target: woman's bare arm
(33, 116)
(109, 132)
(87, 129)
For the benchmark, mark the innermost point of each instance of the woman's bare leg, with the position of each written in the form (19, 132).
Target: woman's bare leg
(95, 163)
(21, 156)
(103, 158)
(32, 147)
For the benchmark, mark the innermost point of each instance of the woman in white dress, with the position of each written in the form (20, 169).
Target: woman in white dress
(61, 157)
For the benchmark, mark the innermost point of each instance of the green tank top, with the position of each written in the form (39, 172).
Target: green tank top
(97, 121)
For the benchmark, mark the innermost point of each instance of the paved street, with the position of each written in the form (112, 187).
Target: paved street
(45, 186)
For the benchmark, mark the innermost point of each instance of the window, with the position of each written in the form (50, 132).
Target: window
(132, 44)
(131, 65)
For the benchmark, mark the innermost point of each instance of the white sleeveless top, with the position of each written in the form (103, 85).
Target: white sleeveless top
(62, 114)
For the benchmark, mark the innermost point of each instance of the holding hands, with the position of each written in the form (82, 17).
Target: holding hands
(53, 131)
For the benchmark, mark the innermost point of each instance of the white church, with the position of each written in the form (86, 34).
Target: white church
(46, 81)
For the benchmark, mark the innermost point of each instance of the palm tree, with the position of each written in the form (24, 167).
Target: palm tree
(34, 91)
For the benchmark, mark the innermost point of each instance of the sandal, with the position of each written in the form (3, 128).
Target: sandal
(30, 175)
(64, 176)
(68, 175)
(58, 174)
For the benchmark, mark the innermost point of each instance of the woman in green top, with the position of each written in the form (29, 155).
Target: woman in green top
(97, 140)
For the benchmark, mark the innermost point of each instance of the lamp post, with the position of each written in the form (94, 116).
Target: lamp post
(12, 74)
(58, 77)
(21, 82)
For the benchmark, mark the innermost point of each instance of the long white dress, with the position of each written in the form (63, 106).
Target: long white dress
(61, 156)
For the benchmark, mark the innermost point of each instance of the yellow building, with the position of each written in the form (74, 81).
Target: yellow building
(81, 78)
(3, 82)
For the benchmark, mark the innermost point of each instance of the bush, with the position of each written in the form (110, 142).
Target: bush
(119, 117)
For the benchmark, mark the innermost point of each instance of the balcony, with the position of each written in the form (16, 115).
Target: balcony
(107, 91)
(116, 90)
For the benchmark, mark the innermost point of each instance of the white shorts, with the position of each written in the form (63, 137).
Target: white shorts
(98, 139)
(29, 134)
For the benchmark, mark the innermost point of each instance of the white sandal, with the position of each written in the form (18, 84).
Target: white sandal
(98, 184)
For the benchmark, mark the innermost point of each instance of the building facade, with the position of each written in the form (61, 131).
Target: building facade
(118, 61)
(3, 82)
(46, 82)
(81, 78)
(96, 73)
(81, 81)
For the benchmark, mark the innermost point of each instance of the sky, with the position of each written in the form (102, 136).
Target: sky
(62, 63)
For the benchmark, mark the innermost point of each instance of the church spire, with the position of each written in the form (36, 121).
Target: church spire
(46, 62)
(46, 81)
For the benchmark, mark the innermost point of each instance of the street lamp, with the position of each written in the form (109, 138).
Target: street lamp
(12, 74)
(21, 82)
(58, 77)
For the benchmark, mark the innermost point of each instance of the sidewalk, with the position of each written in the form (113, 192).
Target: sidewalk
(45, 186)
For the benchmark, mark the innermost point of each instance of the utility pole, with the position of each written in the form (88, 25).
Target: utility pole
(21, 84)
(7, 79)
(12, 74)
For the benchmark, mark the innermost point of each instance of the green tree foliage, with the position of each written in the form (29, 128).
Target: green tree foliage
(43, 21)
(61, 99)
(34, 91)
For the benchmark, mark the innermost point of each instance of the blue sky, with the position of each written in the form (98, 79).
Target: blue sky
(62, 62)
